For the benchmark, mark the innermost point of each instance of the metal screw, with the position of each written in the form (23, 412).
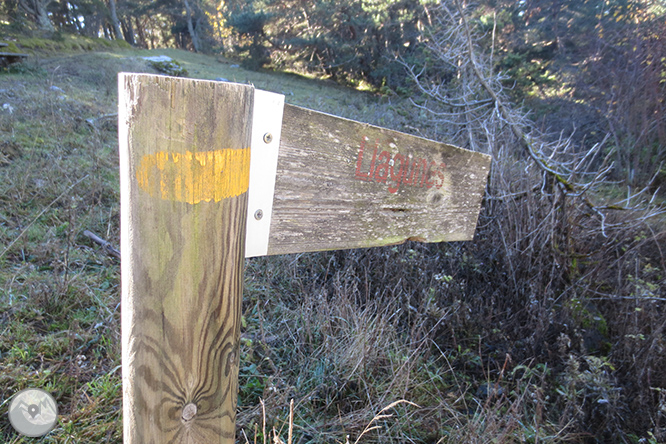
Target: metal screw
(258, 214)
(189, 411)
(268, 138)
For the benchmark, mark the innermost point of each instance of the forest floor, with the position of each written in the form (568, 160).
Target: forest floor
(313, 330)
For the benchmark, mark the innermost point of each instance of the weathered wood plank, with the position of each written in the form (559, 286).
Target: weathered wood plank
(184, 150)
(344, 184)
(7, 58)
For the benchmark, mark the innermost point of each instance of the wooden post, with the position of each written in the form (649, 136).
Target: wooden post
(184, 164)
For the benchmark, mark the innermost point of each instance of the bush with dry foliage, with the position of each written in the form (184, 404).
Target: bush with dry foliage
(549, 327)
(570, 279)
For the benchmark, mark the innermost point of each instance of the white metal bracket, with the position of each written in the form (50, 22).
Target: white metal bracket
(264, 149)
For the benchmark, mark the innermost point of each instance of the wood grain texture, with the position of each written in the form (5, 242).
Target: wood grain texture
(182, 247)
(344, 184)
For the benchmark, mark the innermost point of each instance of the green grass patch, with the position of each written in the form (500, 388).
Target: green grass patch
(67, 43)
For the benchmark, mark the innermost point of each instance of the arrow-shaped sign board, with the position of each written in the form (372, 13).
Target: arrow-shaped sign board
(211, 170)
(335, 183)
(321, 182)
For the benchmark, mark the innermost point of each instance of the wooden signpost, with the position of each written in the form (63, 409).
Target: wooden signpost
(213, 172)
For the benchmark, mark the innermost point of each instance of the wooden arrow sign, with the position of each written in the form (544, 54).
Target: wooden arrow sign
(321, 182)
(344, 184)
(211, 170)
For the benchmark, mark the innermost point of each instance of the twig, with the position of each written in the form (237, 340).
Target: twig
(382, 415)
(611, 297)
(106, 245)
(291, 422)
(40, 215)
(93, 120)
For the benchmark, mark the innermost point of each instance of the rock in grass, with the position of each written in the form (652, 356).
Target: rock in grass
(167, 65)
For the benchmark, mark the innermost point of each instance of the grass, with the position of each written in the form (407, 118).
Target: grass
(382, 345)
(59, 293)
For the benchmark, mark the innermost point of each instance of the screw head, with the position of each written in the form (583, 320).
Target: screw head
(258, 214)
(189, 411)
(268, 138)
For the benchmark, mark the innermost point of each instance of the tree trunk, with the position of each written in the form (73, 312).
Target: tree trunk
(128, 30)
(190, 27)
(114, 19)
(140, 33)
(36, 10)
(43, 19)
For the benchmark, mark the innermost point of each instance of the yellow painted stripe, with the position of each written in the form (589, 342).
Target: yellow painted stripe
(195, 177)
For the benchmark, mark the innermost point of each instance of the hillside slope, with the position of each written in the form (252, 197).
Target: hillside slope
(343, 334)
(59, 292)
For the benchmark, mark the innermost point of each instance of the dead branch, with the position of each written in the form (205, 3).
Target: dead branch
(93, 121)
(107, 246)
(44, 210)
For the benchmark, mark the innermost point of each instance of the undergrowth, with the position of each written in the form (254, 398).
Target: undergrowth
(438, 333)
(61, 42)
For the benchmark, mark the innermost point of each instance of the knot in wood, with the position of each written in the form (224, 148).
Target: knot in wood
(189, 411)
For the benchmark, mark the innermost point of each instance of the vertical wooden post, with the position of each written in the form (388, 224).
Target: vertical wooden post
(184, 164)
